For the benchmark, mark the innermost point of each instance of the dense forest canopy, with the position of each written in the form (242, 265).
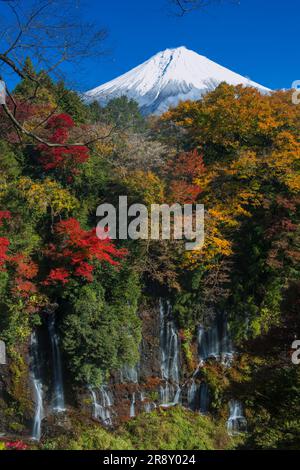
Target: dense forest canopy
(236, 151)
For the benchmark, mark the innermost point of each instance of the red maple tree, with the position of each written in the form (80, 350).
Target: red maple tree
(4, 242)
(25, 271)
(184, 171)
(76, 250)
(66, 158)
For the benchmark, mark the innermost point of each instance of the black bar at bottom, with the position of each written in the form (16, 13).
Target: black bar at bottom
(136, 459)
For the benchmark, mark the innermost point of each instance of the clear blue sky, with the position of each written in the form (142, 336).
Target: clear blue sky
(257, 38)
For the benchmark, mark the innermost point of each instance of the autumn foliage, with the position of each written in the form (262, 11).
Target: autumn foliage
(25, 271)
(4, 242)
(185, 169)
(75, 252)
(16, 445)
(67, 158)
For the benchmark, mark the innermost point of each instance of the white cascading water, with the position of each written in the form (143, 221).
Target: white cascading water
(192, 394)
(130, 374)
(237, 422)
(208, 342)
(102, 404)
(204, 398)
(132, 406)
(215, 341)
(169, 345)
(149, 406)
(58, 402)
(37, 387)
(227, 350)
(198, 397)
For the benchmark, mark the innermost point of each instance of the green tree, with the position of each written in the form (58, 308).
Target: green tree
(123, 113)
(100, 335)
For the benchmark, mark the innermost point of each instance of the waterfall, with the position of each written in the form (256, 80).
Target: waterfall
(132, 406)
(208, 343)
(37, 387)
(149, 406)
(165, 394)
(215, 341)
(102, 405)
(130, 374)
(2, 353)
(204, 398)
(237, 422)
(169, 345)
(192, 394)
(58, 403)
(170, 395)
(198, 397)
(177, 395)
(227, 349)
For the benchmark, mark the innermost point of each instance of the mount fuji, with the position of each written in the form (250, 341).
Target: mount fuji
(168, 77)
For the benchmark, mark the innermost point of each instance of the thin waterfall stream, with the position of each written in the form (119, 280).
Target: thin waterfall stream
(130, 374)
(58, 402)
(37, 382)
(237, 422)
(214, 341)
(102, 405)
(132, 406)
(170, 391)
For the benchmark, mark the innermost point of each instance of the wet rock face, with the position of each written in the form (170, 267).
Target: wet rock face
(135, 388)
(150, 347)
(162, 377)
(157, 380)
(54, 425)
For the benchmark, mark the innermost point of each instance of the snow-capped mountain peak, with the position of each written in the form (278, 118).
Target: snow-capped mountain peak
(168, 77)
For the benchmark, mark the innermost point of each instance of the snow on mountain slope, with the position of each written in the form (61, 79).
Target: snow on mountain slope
(168, 77)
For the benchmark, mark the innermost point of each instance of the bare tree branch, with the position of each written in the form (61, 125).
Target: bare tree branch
(39, 139)
(24, 131)
(183, 7)
(23, 28)
(49, 32)
(8, 61)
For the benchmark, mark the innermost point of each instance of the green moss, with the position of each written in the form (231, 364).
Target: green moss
(215, 375)
(17, 370)
(187, 347)
(18, 389)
